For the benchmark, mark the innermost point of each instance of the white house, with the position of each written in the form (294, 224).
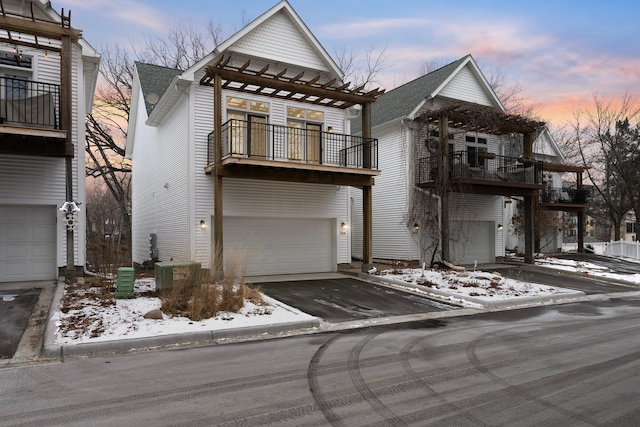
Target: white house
(48, 73)
(249, 150)
(451, 157)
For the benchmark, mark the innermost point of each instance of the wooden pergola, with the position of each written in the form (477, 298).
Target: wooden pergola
(224, 74)
(473, 117)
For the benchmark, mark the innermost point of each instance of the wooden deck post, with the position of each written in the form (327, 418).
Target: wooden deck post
(367, 196)
(580, 216)
(528, 229)
(443, 170)
(217, 247)
(66, 123)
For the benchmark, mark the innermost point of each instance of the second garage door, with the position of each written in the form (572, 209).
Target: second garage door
(473, 241)
(27, 243)
(281, 246)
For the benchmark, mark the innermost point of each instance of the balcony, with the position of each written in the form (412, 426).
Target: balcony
(482, 172)
(565, 199)
(30, 118)
(265, 151)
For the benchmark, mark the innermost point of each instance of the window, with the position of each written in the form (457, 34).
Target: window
(304, 134)
(631, 227)
(473, 151)
(15, 59)
(247, 128)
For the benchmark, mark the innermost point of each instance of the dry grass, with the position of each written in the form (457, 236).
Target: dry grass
(214, 295)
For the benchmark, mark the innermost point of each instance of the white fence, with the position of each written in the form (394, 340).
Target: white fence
(599, 248)
(624, 249)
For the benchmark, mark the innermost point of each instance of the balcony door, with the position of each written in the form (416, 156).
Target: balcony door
(314, 143)
(304, 141)
(257, 138)
(248, 135)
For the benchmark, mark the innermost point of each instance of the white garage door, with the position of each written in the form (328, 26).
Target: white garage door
(27, 243)
(281, 246)
(472, 241)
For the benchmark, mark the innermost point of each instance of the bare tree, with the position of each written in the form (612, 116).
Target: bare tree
(606, 139)
(181, 46)
(106, 126)
(360, 69)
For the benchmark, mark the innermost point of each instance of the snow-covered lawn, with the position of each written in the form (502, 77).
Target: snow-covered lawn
(587, 269)
(469, 288)
(90, 316)
(93, 318)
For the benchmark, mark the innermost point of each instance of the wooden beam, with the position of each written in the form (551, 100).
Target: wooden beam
(46, 29)
(288, 86)
(296, 175)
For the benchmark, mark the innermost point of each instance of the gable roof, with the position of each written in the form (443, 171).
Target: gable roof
(154, 81)
(406, 100)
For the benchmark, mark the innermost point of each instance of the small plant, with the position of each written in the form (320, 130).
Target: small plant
(214, 295)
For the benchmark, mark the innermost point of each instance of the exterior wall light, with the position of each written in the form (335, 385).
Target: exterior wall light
(330, 129)
(415, 227)
(499, 227)
(344, 227)
(203, 224)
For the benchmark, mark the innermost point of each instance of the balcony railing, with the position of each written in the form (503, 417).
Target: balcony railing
(566, 196)
(481, 166)
(29, 103)
(264, 141)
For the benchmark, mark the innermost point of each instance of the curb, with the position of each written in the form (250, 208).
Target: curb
(51, 350)
(490, 305)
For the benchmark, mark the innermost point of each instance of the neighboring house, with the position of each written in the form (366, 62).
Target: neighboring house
(48, 75)
(451, 157)
(263, 120)
(628, 228)
(546, 150)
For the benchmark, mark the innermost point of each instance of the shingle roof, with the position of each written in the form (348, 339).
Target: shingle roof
(154, 79)
(401, 101)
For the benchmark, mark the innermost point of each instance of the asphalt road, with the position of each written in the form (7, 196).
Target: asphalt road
(565, 365)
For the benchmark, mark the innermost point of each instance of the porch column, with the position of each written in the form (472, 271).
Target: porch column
(217, 247)
(66, 123)
(580, 216)
(367, 196)
(443, 188)
(528, 229)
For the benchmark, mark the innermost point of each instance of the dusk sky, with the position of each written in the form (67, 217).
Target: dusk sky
(560, 52)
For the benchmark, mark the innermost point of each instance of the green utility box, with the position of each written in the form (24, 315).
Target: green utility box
(125, 282)
(171, 273)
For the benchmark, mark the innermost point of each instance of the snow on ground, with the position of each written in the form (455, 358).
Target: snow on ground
(124, 319)
(470, 288)
(587, 268)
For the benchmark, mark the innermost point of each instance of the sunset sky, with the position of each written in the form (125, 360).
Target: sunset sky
(560, 52)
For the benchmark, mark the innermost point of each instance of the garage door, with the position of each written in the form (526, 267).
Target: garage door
(27, 243)
(281, 246)
(472, 241)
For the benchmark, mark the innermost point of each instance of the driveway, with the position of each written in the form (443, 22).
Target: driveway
(15, 308)
(548, 276)
(344, 299)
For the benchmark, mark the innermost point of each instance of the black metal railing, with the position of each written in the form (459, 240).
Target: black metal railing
(566, 196)
(481, 166)
(281, 143)
(30, 103)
